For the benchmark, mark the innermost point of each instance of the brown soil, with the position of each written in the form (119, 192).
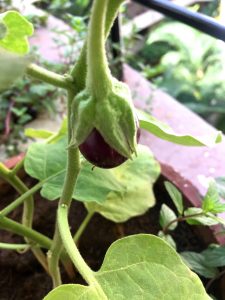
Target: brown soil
(21, 276)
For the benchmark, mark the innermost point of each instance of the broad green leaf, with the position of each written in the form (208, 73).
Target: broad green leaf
(166, 216)
(213, 297)
(176, 196)
(211, 201)
(12, 67)
(139, 267)
(38, 133)
(72, 292)
(219, 220)
(62, 133)
(127, 188)
(201, 218)
(120, 193)
(172, 33)
(18, 29)
(94, 185)
(45, 134)
(167, 238)
(164, 132)
(198, 263)
(44, 160)
(215, 256)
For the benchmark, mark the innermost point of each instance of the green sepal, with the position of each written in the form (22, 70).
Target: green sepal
(82, 117)
(105, 103)
(115, 119)
(113, 116)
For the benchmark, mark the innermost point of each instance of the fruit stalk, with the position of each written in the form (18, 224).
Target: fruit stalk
(73, 167)
(99, 75)
(79, 71)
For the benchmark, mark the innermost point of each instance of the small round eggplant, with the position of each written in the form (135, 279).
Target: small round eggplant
(99, 153)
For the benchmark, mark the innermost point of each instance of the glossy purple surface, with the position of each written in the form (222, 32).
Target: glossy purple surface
(99, 153)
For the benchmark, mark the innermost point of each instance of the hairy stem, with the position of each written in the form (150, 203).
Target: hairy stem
(38, 239)
(73, 166)
(27, 220)
(98, 75)
(13, 205)
(28, 211)
(82, 227)
(212, 280)
(79, 71)
(18, 166)
(50, 77)
(74, 253)
(79, 76)
(166, 229)
(16, 247)
(15, 227)
(23, 230)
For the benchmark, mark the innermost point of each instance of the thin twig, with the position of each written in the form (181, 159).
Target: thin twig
(8, 119)
(180, 219)
(211, 281)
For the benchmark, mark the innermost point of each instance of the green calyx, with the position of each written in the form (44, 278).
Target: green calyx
(113, 117)
(105, 103)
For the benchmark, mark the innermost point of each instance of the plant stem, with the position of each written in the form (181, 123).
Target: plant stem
(24, 231)
(79, 71)
(4, 171)
(82, 227)
(13, 205)
(73, 166)
(50, 77)
(99, 75)
(8, 209)
(27, 220)
(28, 212)
(180, 219)
(16, 247)
(79, 76)
(74, 253)
(212, 280)
(18, 166)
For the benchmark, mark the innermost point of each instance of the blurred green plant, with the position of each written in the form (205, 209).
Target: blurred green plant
(205, 215)
(70, 44)
(21, 104)
(61, 7)
(211, 8)
(24, 102)
(189, 66)
(37, 17)
(208, 262)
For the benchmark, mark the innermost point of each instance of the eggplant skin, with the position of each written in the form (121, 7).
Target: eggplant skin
(99, 153)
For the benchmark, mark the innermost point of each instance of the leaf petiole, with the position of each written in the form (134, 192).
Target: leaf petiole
(15, 227)
(13, 205)
(181, 219)
(17, 247)
(74, 253)
(83, 226)
(65, 82)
